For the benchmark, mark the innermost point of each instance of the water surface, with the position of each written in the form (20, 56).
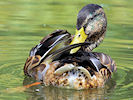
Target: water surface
(23, 23)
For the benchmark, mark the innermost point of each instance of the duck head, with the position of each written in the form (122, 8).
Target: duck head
(91, 27)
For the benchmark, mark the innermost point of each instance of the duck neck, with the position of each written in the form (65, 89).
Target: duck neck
(95, 42)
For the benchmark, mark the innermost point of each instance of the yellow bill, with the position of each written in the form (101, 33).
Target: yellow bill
(79, 37)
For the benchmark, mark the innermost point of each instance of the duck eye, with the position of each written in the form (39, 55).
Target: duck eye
(91, 18)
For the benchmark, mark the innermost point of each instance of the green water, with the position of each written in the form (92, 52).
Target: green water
(23, 23)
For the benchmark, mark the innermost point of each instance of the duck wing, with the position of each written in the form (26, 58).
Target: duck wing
(48, 43)
(106, 61)
(36, 61)
(93, 60)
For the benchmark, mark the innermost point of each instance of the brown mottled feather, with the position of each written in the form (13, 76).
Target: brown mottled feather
(30, 63)
(106, 60)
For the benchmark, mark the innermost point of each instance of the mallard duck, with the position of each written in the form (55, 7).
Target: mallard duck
(67, 61)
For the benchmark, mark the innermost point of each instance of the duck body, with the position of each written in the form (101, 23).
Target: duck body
(78, 72)
(73, 71)
(67, 61)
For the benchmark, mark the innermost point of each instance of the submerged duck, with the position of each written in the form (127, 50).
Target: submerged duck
(67, 61)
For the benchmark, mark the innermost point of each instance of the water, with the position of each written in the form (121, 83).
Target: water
(23, 23)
